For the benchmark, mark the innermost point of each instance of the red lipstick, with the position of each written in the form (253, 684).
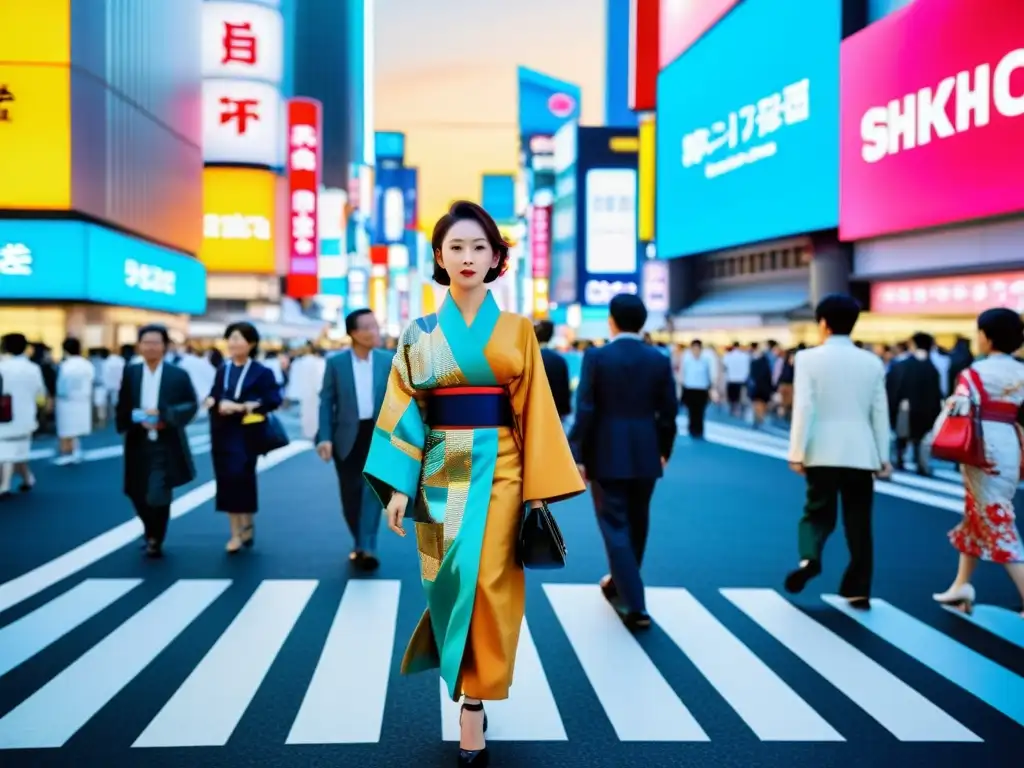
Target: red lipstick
(467, 273)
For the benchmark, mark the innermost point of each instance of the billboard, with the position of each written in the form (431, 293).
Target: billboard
(748, 131)
(239, 224)
(498, 196)
(76, 261)
(607, 245)
(643, 54)
(683, 22)
(395, 205)
(35, 134)
(949, 296)
(304, 159)
(36, 33)
(932, 117)
(243, 112)
(390, 146)
(545, 103)
(618, 54)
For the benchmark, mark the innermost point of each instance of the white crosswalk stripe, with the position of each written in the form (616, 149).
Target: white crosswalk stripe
(944, 490)
(344, 701)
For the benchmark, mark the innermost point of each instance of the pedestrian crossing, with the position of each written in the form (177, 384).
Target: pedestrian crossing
(346, 694)
(944, 490)
(199, 443)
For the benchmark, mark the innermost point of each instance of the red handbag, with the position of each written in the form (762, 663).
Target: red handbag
(959, 438)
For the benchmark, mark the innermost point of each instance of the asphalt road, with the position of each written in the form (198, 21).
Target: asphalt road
(282, 657)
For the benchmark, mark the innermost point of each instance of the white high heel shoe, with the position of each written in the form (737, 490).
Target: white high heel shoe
(962, 598)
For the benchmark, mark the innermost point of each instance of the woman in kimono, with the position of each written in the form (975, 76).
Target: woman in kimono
(988, 530)
(75, 379)
(467, 436)
(243, 392)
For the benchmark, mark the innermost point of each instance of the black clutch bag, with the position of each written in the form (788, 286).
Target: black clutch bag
(540, 545)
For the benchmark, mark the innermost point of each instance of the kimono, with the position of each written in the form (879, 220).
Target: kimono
(467, 487)
(988, 529)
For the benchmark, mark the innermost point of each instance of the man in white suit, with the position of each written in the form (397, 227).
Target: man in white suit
(839, 441)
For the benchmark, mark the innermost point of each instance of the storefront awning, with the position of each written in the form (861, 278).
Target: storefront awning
(749, 300)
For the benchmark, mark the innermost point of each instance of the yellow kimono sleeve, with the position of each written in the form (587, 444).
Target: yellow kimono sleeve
(396, 449)
(549, 470)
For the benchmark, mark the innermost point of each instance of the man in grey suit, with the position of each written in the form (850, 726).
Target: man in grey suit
(350, 400)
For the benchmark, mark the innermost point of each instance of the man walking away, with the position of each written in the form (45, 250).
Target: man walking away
(556, 368)
(915, 401)
(622, 438)
(351, 397)
(839, 440)
(155, 405)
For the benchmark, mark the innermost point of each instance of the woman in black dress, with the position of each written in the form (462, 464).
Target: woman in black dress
(244, 391)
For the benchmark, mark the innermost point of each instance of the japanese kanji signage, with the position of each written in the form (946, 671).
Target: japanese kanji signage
(748, 129)
(746, 135)
(6, 99)
(303, 163)
(243, 65)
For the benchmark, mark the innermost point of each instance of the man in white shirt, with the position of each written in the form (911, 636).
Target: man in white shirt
(351, 397)
(839, 441)
(697, 374)
(737, 371)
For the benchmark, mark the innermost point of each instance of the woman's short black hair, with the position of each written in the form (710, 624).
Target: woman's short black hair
(248, 332)
(1004, 328)
(463, 210)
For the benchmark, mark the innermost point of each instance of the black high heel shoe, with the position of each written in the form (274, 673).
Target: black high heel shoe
(478, 758)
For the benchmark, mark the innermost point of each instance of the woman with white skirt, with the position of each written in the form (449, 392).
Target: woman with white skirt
(75, 379)
(23, 382)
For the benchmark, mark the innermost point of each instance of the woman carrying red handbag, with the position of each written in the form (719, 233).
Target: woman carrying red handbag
(978, 428)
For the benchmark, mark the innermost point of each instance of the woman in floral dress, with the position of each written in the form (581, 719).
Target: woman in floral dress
(988, 530)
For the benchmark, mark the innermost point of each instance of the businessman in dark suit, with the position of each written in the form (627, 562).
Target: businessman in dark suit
(623, 436)
(555, 367)
(350, 400)
(156, 403)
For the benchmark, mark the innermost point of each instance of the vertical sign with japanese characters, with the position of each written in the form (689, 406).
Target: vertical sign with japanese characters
(243, 66)
(303, 192)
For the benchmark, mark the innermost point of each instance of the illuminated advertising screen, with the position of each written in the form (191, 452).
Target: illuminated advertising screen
(607, 243)
(243, 111)
(395, 205)
(748, 129)
(239, 224)
(75, 261)
(304, 157)
(932, 117)
(564, 214)
(35, 137)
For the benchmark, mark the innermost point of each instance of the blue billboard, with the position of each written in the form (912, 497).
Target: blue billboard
(76, 261)
(390, 145)
(498, 196)
(394, 205)
(545, 103)
(604, 195)
(748, 129)
(617, 65)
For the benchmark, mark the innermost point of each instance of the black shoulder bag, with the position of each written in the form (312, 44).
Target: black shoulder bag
(540, 545)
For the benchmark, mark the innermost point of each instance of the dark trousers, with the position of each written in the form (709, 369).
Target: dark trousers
(358, 504)
(696, 402)
(154, 519)
(856, 488)
(623, 514)
(920, 459)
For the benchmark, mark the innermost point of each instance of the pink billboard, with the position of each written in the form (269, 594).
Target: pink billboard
(683, 22)
(932, 117)
(963, 295)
